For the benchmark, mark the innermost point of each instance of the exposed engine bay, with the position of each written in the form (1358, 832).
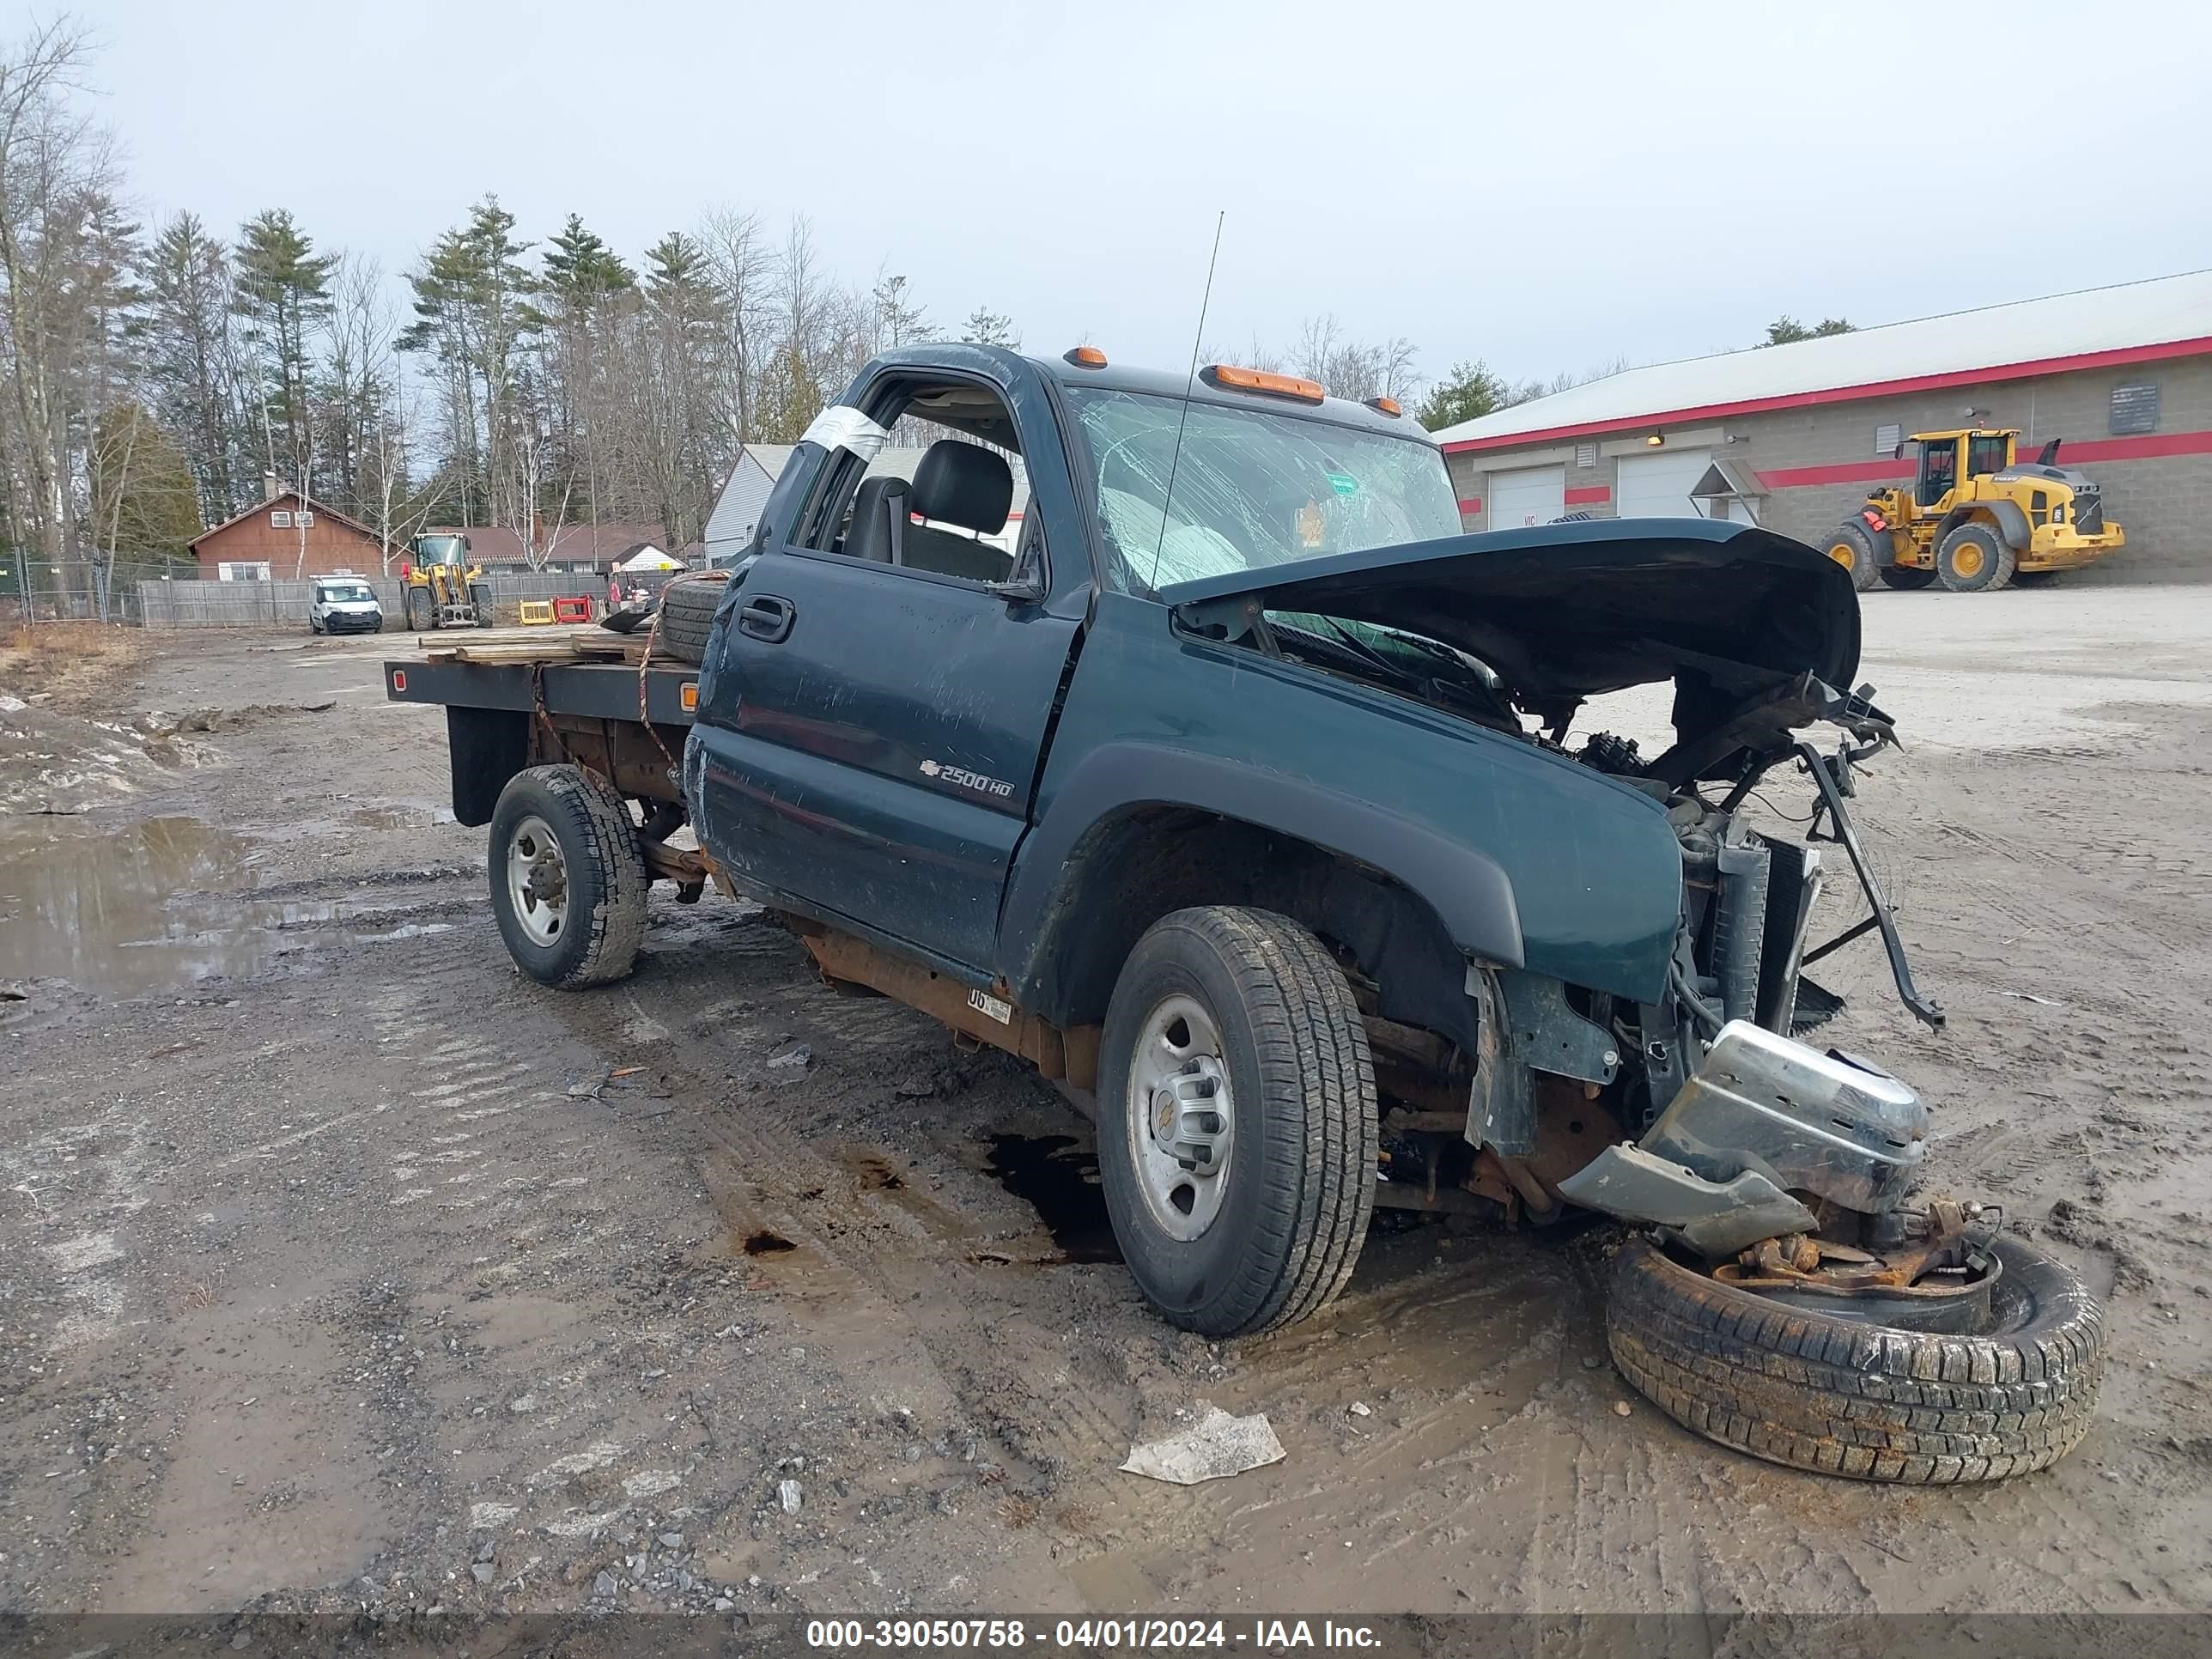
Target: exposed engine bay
(1701, 1113)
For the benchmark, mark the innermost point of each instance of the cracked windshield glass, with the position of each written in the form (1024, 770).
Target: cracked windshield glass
(1251, 488)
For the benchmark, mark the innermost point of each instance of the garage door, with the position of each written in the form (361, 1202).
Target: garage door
(1534, 495)
(1658, 486)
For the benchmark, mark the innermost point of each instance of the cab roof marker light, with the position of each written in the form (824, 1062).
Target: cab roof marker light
(1385, 406)
(1085, 356)
(1258, 379)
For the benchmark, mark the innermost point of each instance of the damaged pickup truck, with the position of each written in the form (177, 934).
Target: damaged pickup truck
(1248, 794)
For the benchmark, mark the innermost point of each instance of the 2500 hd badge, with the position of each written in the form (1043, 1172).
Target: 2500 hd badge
(967, 780)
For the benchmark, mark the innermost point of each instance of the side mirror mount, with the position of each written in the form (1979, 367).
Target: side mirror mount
(1025, 586)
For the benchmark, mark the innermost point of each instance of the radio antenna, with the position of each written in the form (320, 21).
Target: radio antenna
(1191, 384)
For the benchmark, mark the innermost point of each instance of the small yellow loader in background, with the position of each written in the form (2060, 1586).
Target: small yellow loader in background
(440, 588)
(1975, 519)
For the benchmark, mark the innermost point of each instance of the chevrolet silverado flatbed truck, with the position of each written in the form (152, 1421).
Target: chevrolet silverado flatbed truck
(1248, 794)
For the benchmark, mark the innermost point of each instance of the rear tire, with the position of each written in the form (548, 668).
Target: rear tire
(421, 610)
(687, 616)
(1852, 546)
(1906, 578)
(1279, 1235)
(1974, 559)
(568, 879)
(1846, 1397)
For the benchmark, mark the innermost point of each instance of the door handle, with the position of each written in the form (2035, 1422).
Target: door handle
(767, 618)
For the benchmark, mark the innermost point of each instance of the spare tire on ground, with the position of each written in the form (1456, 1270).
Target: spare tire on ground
(1840, 1396)
(687, 615)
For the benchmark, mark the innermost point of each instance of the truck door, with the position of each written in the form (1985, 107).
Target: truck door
(871, 740)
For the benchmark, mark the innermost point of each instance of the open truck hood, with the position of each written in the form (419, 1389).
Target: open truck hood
(1734, 615)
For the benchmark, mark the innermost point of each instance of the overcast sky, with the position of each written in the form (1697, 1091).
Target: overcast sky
(1546, 186)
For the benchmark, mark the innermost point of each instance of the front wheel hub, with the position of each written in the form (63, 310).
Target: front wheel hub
(1181, 1117)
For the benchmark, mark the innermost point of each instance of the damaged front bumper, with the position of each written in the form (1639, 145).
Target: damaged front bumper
(1763, 1118)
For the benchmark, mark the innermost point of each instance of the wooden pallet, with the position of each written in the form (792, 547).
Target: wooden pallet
(581, 642)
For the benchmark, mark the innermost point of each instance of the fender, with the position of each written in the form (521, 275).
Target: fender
(2012, 523)
(1469, 892)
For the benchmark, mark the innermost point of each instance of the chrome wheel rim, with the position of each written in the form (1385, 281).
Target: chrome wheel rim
(1181, 1117)
(537, 881)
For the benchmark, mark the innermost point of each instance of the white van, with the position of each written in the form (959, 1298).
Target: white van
(345, 604)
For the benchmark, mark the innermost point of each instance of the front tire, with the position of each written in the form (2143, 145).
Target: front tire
(1848, 1396)
(568, 879)
(421, 610)
(1237, 1220)
(1852, 546)
(1974, 559)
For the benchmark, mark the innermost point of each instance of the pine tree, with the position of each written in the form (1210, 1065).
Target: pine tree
(281, 289)
(143, 498)
(191, 358)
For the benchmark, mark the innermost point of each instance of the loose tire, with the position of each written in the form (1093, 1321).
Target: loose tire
(687, 618)
(568, 880)
(421, 610)
(1974, 559)
(1843, 1397)
(1852, 546)
(1271, 1233)
(1906, 578)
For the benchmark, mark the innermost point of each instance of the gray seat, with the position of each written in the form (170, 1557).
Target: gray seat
(963, 485)
(879, 526)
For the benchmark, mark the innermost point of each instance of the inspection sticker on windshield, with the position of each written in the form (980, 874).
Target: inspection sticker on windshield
(1344, 483)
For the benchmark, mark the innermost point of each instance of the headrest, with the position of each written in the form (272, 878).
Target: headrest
(965, 485)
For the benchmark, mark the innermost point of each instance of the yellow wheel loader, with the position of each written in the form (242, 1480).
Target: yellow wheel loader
(1976, 519)
(440, 588)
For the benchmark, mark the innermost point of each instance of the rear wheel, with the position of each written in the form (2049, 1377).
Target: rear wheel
(568, 879)
(421, 610)
(1236, 1120)
(687, 616)
(1906, 578)
(1852, 546)
(1974, 559)
(1798, 1384)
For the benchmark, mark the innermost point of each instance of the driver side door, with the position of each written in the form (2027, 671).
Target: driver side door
(869, 743)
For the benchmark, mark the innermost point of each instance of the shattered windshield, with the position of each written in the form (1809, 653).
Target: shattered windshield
(1251, 488)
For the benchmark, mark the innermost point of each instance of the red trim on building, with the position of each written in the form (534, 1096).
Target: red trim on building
(2089, 451)
(1471, 505)
(2118, 359)
(1588, 495)
(1799, 477)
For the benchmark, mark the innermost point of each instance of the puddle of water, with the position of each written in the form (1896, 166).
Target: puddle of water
(1057, 1176)
(140, 909)
(399, 817)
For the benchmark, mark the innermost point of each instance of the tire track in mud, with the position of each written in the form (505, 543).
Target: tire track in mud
(846, 1202)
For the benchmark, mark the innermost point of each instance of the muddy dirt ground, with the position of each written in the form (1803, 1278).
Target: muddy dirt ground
(340, 1266)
